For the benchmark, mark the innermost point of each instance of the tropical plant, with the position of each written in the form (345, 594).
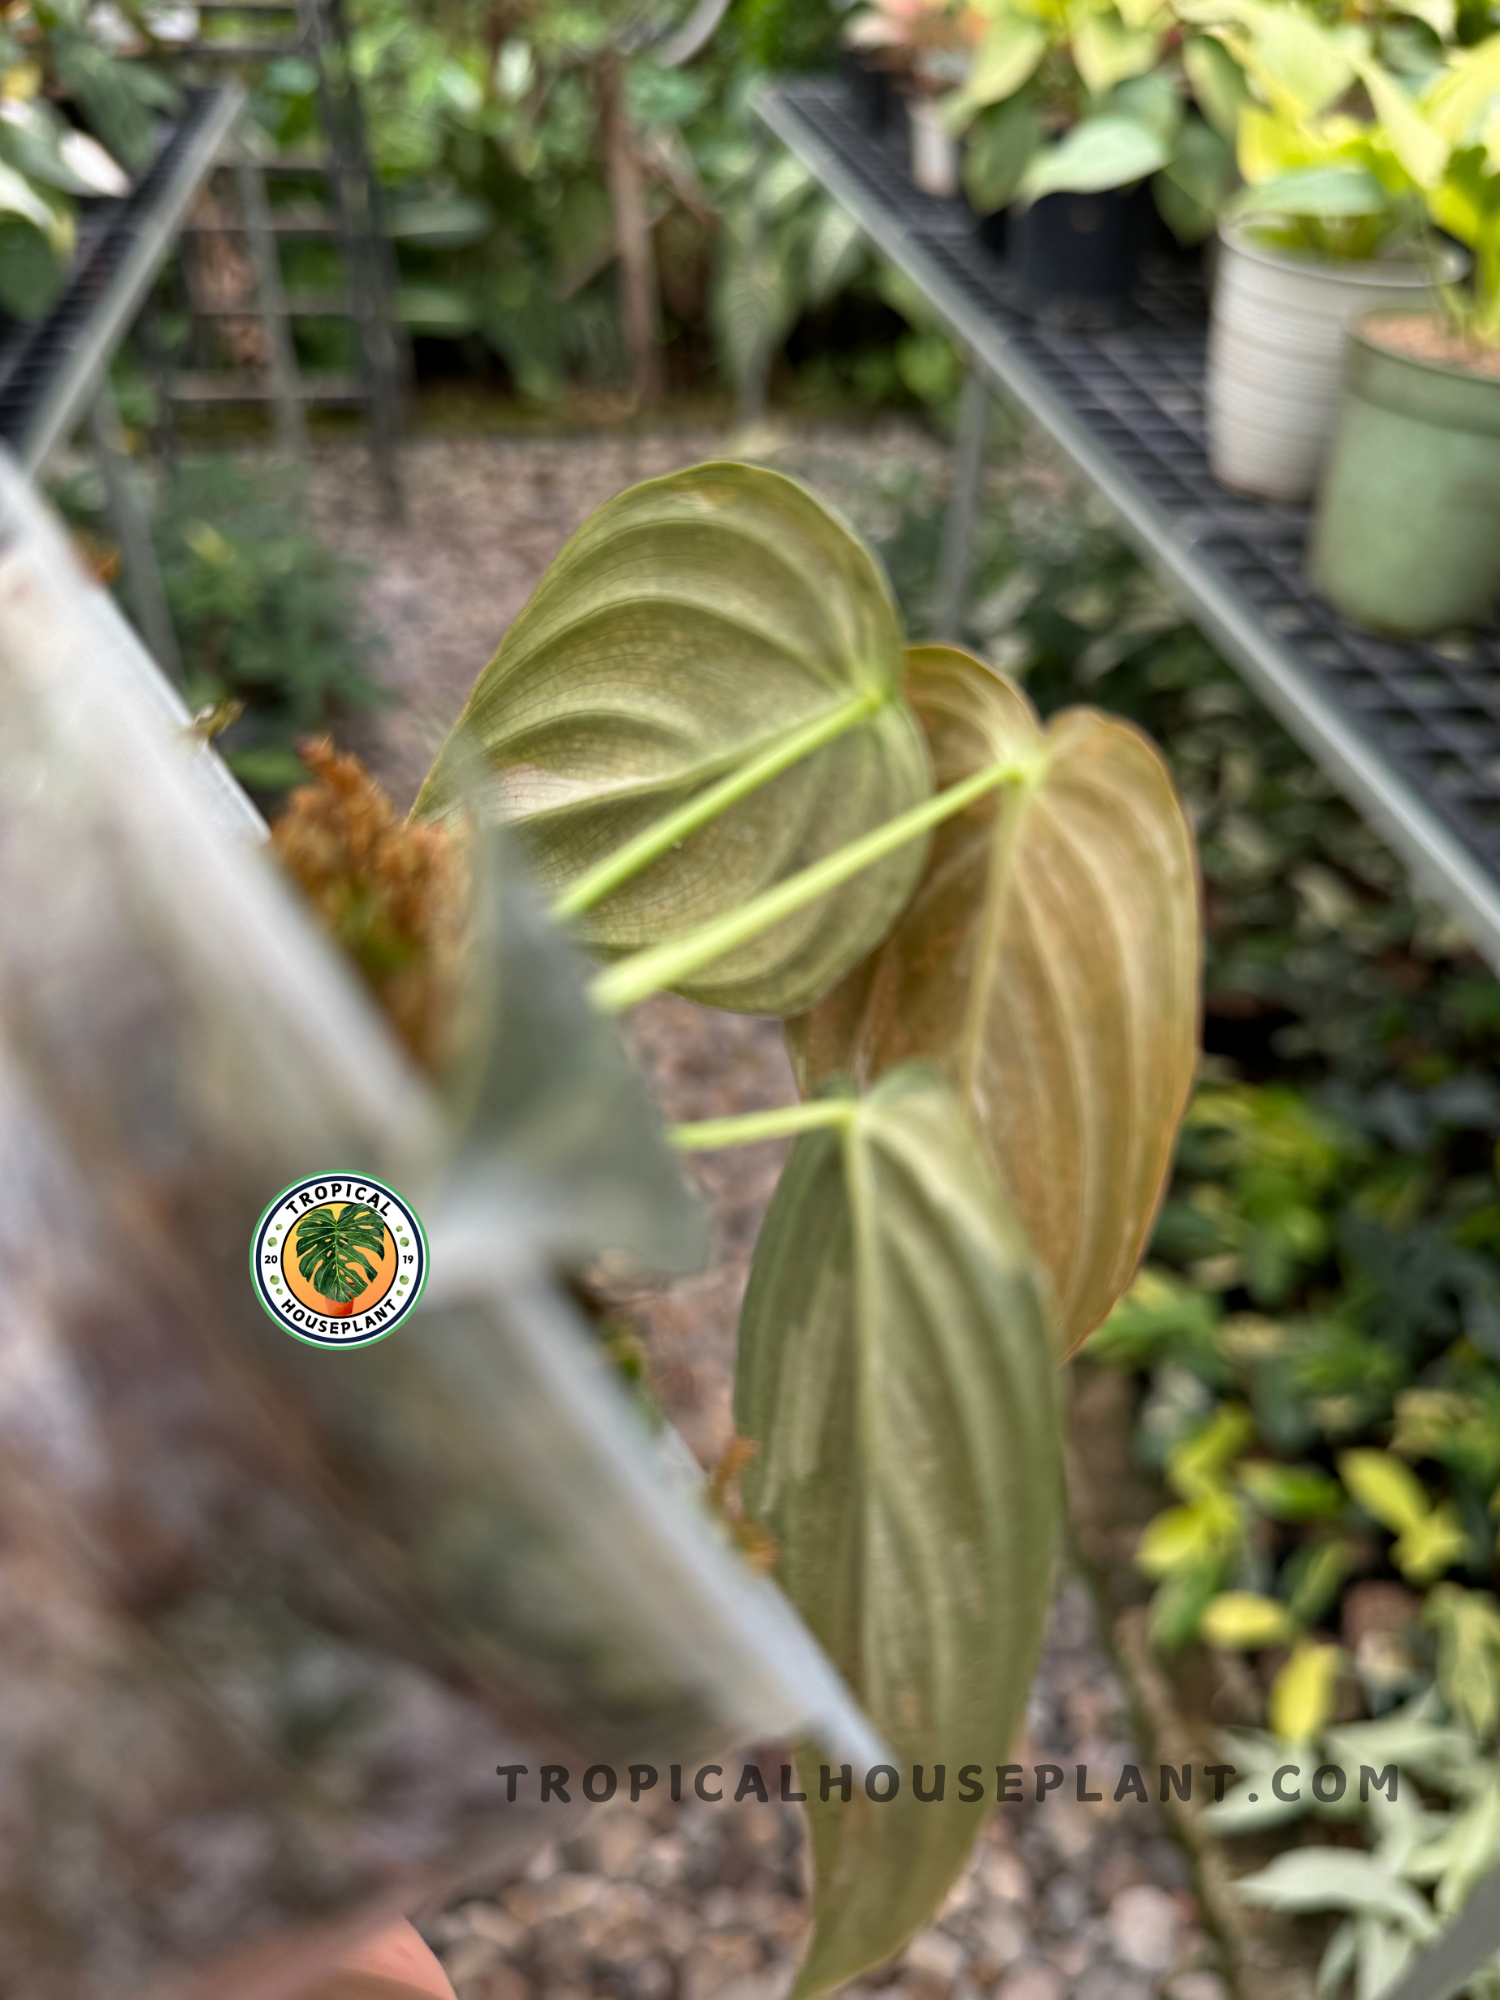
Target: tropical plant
(1337, 143)
(263, 611)
(1424, 1790)
(334, 1248)
(1081, 95)
(719, 756)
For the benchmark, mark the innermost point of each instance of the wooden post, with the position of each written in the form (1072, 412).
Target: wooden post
(639, 301)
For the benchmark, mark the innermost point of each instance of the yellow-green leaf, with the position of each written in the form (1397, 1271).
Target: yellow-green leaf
(1456, 98)
(682, 635)
(1189, 1537)
(1199, 1462)
(1107, 51)
(1008, 55)
(1299, 63)
(1049, 959)
(1418, 145)
(1243, 1620)
(1388, 1491)
(1467, 1623)
(1301, 1702)
(897, 1372)
(1429, 1546)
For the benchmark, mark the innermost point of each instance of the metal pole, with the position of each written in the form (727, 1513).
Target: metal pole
(128, 518)
(963, 503)
(291, 430)
(355, 202)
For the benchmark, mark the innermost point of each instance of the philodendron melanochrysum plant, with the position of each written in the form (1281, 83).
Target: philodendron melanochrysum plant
(736, 782)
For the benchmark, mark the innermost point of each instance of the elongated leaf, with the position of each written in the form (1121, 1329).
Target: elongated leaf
(1049, 960)
(1006, 57)
(896, 1370)
(683, 632)
(1001, 141)
(1419, 146)
(1315, 191)
(1107, 51)
(1218, 83)
(1109, 151)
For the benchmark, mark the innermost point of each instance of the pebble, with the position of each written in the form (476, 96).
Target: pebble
(1144, 1926)
(937, 1955)
(1033, 1981)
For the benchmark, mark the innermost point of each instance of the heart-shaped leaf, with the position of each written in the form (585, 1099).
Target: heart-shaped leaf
(896, 1370)
(1049, 959)
(688, 632)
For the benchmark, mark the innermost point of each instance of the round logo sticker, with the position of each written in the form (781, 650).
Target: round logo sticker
(338, 1260)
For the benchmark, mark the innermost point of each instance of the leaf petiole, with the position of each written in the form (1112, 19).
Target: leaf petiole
(750, 1126)
(646, 972)
(595, 883)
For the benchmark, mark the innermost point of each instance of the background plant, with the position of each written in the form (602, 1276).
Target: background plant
(1079, 95)
(77, 109)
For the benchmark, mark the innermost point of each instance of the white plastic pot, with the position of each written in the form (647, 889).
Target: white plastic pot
(934, 150)
(1276, 352)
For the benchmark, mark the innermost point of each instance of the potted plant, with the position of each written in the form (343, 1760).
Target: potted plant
(1070, 106)
(926, 45)
(1407, 537)
(1332, 223)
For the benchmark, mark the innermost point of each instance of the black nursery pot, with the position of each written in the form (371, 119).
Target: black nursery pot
(1076, 255)
(872, 91)
(993, 230)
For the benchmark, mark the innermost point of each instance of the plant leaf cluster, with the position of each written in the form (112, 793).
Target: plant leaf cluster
(720, 757)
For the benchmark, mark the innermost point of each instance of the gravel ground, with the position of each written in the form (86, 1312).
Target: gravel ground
(699, 1902)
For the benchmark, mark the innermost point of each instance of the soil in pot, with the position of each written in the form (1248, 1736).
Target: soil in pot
(1275, 353)
(1407, 536)
(1076, 255)
(993, 230)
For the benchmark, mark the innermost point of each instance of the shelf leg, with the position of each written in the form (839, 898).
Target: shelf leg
(291, 431)
(963, 504)
(128, 518)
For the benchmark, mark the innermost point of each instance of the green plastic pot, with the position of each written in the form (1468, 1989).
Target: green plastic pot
(1407, 534)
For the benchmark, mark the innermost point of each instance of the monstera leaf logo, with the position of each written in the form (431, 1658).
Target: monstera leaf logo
(332, 1247)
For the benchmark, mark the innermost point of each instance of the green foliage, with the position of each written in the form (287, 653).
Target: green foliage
(334, 1247)
(264, 612)
(56, 61)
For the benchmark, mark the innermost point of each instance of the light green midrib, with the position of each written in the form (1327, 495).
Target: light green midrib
(646, 972)
(595, 883)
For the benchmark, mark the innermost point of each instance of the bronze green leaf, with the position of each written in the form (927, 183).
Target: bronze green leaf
(688, 629)
(896, 1370)
(1050, 961)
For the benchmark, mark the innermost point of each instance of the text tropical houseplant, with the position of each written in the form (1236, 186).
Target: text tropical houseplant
(1335, 157)
(736, 781)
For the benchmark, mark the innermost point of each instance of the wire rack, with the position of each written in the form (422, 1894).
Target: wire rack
(1411, 732)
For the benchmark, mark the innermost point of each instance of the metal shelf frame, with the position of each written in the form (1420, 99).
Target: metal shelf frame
(48, 384)
(1409, 733)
